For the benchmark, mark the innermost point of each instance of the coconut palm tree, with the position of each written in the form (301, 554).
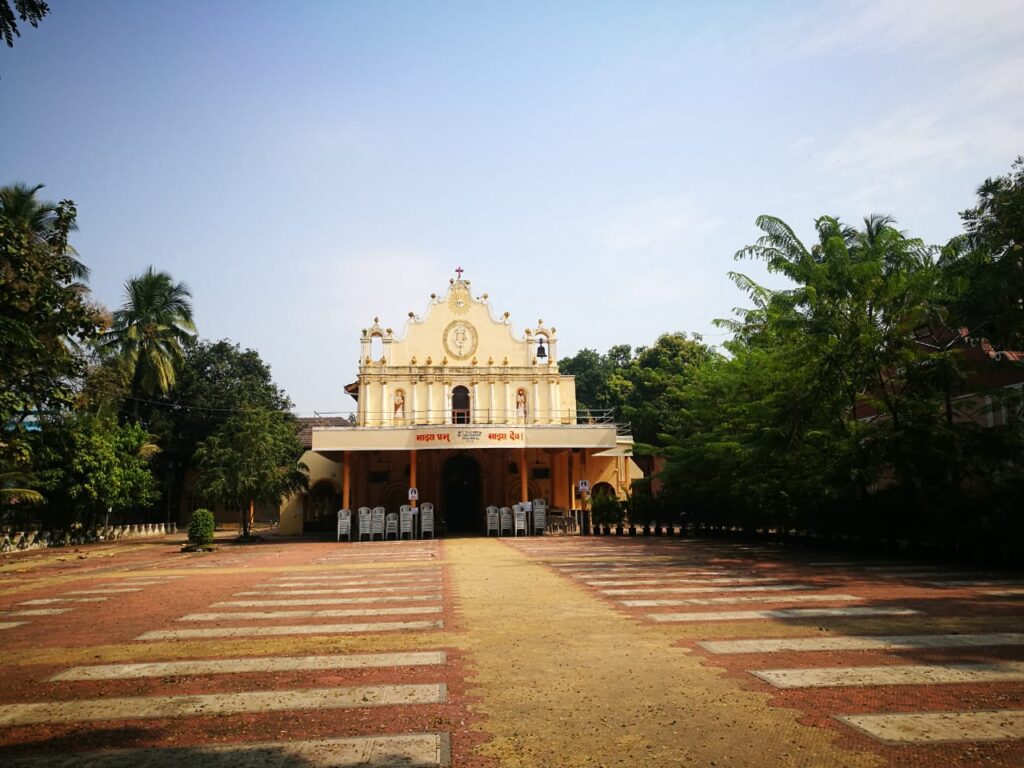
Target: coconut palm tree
(11, 490)
(148, 333)
(43, 219)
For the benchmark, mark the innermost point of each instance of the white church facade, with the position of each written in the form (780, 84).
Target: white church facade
(466, 412)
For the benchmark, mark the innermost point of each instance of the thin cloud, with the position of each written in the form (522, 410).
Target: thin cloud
(659, 223)
(938, 25)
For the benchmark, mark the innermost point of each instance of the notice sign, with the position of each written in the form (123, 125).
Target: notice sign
(414, 494)
(583, 486)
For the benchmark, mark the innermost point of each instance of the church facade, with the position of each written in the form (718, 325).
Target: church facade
(468, 414)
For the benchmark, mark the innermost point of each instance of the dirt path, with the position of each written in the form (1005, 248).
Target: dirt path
(565, 680)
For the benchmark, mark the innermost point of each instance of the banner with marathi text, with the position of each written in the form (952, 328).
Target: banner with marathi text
(469, 437)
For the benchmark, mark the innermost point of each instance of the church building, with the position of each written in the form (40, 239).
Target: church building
(468, 414)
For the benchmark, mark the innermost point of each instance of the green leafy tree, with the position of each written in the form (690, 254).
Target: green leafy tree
(252, 458)
(149, 332)
(49, 223)
(92, 465)
(771, 435)
(985, 266)
(44, 314)
(658, 375)
(30, 11)
(215, 380)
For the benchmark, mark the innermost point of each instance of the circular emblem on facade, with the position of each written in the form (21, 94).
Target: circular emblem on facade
(460, 339)
(458, 300)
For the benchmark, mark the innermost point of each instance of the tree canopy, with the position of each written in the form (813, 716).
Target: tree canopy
(44, 311)
(30, 11)
(150, 330)
(253, 457)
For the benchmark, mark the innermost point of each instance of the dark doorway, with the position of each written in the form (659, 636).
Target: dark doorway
(321, 508)
(460, 405)
(460, 495)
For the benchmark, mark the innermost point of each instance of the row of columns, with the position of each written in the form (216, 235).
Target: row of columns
(576, 469)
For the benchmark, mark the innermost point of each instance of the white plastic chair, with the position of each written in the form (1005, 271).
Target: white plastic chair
(519, 515)
(364, 523)
(405, 521)
(391, 525)
(345, 524)
(492, 521)
(377, 523)
(539, 518)
(505, 520)
(427, 520)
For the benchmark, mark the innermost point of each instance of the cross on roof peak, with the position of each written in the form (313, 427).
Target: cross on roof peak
(459, 271)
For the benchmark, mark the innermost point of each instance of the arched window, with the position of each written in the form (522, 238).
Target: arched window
(376, 348)
(460, 405)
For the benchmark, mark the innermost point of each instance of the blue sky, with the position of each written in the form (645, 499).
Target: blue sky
(307, 166)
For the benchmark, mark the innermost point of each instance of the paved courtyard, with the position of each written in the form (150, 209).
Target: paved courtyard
(482, 652)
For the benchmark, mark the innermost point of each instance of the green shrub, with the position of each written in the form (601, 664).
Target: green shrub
(200, 527)
(606, 509)
(644, 506)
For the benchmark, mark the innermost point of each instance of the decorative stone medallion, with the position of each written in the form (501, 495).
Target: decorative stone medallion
(460, 339)
(458, 299)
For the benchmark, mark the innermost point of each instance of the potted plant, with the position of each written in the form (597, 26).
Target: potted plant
(642, 507)
(606, 511)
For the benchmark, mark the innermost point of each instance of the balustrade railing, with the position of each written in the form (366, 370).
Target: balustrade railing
(407, 417)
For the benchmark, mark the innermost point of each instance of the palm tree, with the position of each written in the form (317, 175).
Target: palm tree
(149, 331)
(47, 222)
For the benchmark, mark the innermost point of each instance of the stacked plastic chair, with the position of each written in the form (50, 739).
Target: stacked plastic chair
(364, 523)
(405, 522)
(519, 520)
(505, 520)
(377, 523)
(492, 521)
(427, 520)
(345, 524)
(540, 522)
(391, 525)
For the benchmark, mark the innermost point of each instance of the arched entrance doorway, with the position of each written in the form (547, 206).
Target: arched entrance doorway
(460, 405)
(460, 495)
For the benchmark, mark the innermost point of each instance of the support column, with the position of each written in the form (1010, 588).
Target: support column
(385, 409)
(491, 419)
(552, 413)
(346, 480)
(474, 405)
(524, 488)
(413, 386)
(573, 475)
(534, 412)
(412, 476)
(430, 402)
(447, 403)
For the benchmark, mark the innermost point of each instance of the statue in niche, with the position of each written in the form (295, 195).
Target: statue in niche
(521, 404)
(399, 404)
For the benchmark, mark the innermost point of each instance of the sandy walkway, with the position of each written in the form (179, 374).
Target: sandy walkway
(567, 681)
